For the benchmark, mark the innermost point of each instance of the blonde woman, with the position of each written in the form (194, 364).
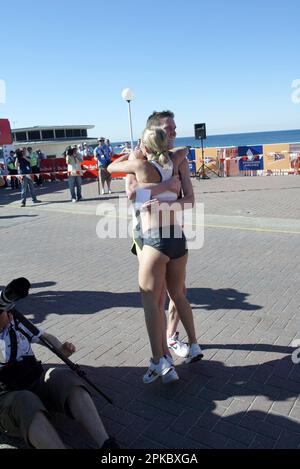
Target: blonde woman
(164, 253)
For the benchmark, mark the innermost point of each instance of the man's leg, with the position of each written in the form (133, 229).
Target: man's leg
(102, 180)
(12, 180)
(84, 411)
(65, 392)
(108, 181)
(173, 319)
(24, 185)
(14, 183)
(34, 171)
(42, 435)
(23, 414)
(31, 189)
(179, 347)
(78, 185)
(175, 283)
(176, 287)
(72, 187)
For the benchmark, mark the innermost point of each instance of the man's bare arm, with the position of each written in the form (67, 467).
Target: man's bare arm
(186, 183)
(67, 348)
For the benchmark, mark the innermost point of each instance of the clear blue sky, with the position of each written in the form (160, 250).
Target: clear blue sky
(227, 63)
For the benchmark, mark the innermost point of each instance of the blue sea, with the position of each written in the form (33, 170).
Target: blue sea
(236, 140)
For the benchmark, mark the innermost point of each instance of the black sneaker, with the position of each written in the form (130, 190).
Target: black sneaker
(23, 204)
(36, 201)
(110, 443)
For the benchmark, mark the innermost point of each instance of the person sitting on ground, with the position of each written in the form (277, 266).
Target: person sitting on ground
(29, 392)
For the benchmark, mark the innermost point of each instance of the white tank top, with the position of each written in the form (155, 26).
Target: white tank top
(166, 173)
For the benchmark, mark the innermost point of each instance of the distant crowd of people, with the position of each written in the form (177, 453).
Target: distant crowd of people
(23, 162)
(102, 154)
(75, 154)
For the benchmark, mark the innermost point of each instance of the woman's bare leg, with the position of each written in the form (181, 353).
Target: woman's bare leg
(162, 303)
(175, 277)
(152, 272)
(173, 317)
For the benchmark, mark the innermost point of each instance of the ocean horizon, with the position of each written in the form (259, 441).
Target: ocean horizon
(240, 139)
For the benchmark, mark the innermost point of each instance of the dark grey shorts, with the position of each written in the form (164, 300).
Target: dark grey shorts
(49, 393)
(171, 241)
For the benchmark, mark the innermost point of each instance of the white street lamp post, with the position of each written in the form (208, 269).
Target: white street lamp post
(128, 96)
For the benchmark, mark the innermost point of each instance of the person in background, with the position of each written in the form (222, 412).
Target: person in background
(12, 171)
(35, 166)
(138, 145)
(86, 150)
(23, 164)
(102, 156)
(79, 148)
(126, 148)
(73, 160)
(108, 144)
(41, 155)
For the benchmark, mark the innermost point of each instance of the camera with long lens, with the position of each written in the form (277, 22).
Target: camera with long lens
(14, 291)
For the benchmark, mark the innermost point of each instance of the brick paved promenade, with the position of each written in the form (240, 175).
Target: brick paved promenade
(244, 289)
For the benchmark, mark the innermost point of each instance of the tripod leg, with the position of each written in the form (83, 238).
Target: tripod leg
(209, 169)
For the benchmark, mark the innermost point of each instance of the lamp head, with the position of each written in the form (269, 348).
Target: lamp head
(127, 94)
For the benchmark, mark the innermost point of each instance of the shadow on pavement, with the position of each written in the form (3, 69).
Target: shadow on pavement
(227, 298)
(42, 303)
(7, 217)
(207, 408)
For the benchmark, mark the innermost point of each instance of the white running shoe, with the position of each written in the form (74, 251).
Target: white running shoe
(170, 377)
(195, 353)
(177, 346)
(170, 359)
(102, 192)
(156, 370)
